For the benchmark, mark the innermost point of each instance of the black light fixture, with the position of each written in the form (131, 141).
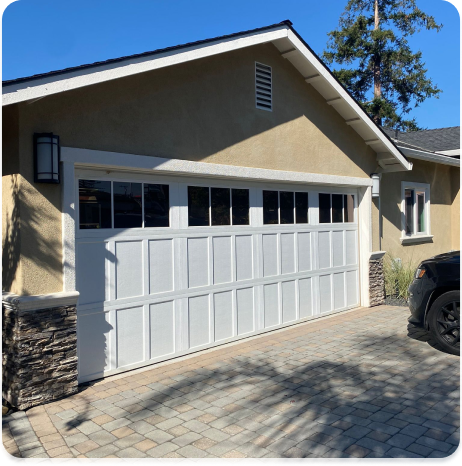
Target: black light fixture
(46, 158)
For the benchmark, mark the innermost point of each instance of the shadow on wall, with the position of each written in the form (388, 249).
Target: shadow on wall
(29, 237)
(280, 390)
(10, 243)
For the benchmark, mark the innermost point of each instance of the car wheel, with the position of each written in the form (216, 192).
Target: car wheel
(443, 320)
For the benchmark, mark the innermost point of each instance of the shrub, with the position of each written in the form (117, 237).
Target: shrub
(398, 276)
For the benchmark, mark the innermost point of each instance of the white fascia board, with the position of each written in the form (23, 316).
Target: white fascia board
(450, 153)
(89, 158)
(54, 84)
(429, 156)
(344, 95)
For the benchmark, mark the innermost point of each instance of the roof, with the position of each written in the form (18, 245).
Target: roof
(433, 140)
(282, 35)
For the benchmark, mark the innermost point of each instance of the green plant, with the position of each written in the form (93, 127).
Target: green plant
(398, 276)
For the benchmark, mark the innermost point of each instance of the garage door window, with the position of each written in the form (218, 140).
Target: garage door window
(220, 205)
(127, 205)
(156, 205)
(102, 201)
(241, 206)
(336, 208)
(284, 207)
(94, 204)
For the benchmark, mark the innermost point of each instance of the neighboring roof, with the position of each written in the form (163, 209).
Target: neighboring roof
(433, 140)
(282, 35)
(440, 145)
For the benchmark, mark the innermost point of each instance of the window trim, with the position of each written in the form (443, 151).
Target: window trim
(415, 236)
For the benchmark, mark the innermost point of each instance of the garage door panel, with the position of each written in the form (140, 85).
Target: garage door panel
(222, 266)
(270, 255)
(161, 266)
(289, 305)
(352, 287)
(245, 310)
(324, 249)
(351, 247)
(287, 253)
(325, 293)
(162, 329)
(223, 315)
(93, 337)
(304, 251)
(337, 248)
(199, 321)
(244, 257)
(198, 262)
(339, 290)
(271, 296)
(129, 336)
(305, 297)
(129, 269)
(91, 272)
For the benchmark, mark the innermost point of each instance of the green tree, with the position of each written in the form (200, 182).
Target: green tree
(381, 71)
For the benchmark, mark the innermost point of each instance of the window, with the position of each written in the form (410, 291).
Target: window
(284, 207)
(241, 206)
(416, 209)
(336, 208)
(156, 205)
(120, 204)
(95, 204)
(348, 208)
(301, 207)
(324, 208)
(270, 208)
(198, 206)
(221, 206)
(263, 87)
(287, 207)
(225, 205)
(127, 205)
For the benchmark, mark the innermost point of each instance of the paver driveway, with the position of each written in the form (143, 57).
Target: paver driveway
(357, 384)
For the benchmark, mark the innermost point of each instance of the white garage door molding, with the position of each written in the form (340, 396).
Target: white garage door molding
(151, 294)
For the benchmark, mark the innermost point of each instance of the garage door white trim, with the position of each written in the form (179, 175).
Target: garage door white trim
(111, 306)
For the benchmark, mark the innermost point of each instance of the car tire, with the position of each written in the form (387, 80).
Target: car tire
(444, 321)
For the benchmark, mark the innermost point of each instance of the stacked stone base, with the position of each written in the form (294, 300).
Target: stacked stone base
(39, 354)
(376, 282)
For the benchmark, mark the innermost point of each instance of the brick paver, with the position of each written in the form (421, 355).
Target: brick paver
(361, 384)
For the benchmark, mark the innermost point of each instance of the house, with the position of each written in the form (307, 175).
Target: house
(168, 202)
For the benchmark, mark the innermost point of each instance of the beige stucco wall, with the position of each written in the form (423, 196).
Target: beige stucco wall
(11, 270)
(455, 225)
(444, 213)
(202, 111)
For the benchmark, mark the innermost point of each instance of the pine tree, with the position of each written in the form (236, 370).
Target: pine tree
(383, 74)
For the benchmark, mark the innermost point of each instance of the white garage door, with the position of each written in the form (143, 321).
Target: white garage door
(166, 266)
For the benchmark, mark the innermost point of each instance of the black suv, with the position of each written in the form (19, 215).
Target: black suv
(434, 299)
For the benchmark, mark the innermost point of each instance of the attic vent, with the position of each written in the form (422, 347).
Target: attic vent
(263, 87)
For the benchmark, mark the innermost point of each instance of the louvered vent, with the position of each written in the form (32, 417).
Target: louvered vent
(263, 87)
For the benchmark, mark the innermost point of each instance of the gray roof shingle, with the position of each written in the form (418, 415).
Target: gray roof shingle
(434, 140)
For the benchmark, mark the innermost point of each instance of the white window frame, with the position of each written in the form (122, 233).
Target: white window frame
(416, 236)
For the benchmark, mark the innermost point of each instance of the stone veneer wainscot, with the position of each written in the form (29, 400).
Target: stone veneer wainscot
(39, 348)
(376, 279)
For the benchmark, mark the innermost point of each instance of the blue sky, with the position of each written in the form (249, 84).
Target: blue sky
(44, 35)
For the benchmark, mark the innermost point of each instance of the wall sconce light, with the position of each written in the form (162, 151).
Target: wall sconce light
(375, 185)
(46, 158)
